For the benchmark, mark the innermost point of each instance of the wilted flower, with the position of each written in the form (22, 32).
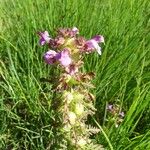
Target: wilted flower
(68, 32)
(44, 37)
(71, 69)
(55, 43)
(80, 42)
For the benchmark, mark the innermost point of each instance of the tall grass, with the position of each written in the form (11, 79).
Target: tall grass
(122, 72)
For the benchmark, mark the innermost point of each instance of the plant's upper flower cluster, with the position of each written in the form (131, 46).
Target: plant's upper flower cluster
(67, 47)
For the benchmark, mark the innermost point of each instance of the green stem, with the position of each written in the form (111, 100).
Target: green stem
(105, 135)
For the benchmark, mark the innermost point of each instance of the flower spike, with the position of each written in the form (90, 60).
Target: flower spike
(72, 100)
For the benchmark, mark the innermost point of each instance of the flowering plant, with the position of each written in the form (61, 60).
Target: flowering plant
(73, 101)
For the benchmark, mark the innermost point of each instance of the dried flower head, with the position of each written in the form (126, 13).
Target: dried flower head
(69, 48)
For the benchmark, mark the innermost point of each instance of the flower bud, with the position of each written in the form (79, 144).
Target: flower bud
(67, 127)
(79, 109)
(68, 78)
(72, 118)
(81, 142)
(68, 96)
(70, 42)
(78, 97)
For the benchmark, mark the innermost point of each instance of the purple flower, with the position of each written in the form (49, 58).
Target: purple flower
(98, 38)
(75, 30)
(92, 44)
(50, 57)
(44, 37)
(109, 107)
(65, 59)
(121, 114)
(72, 32)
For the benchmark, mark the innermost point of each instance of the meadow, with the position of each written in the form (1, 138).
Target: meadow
(122, 71)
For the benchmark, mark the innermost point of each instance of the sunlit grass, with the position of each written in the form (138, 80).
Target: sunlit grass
(122, 72)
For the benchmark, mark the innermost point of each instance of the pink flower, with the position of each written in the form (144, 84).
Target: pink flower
(75, 31)
(65, 59)
(121, 114)
(50, 57)
(92, 44)
(98, 38)
(109, 107)
(44, 37)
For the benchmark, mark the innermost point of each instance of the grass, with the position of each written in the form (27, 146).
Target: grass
(122, 72)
